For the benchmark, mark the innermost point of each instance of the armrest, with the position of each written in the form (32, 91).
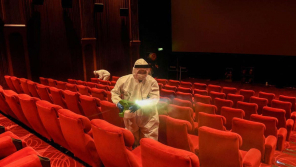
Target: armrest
(2, 129)
(289, 123)
(282, 135)
(252, 158)
(270, 145)
(6, 147)
(195, 129)
(293, 115)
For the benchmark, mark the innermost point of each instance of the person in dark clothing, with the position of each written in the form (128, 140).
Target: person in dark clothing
(152, 61)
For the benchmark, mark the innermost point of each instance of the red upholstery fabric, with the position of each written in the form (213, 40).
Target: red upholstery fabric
(49, 117)
(109, 96)
(100, 86)
(43, 92)
(43, 81)
(12, 135)
(247, 94)
(32, 86)
(105, 82)
(167, 93)
(24, 86)
(160, 85)
(18, 155)
(180, 102)
(230, 114)
(184, 96)
(173, 83)
(163, 81)
(90, 107)
(200, 92)
(91, 84)
(282, 105)
(202, 99)
(156, 154)
(71, 87)
(249, 108)
(268, 96)
(184, 90)
(4, 106)
(110, 87)
(113, 83)
(169, 87)
(84, 90)
(79, 82)
(99, 93)
(261, 102)
(162, 133)
(52, 82)
(229, 90)
(235, 98)
(9, 82)
(72, 81)
(178, 137)
(211, 120)
(112, 143)
(290, 99)
(222, 102)
(94, 80)
(217, 95)
(57, 97)
(17, 84)
(6, 146)
(29, 108)
(61, 85)
(214, 88)
(29, 161)
(206, 108)
(14, 104)
(72, 101)
(185, 84)
(220, 148)
(110, 113)
(200, 86)
(75, 128)
(115, 78)
(162, 108)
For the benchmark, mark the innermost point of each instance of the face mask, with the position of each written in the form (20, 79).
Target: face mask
(141, 77)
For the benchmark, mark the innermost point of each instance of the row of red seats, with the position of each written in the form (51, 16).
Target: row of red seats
(14, 152)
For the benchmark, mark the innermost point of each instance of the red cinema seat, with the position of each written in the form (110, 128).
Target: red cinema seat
(206, 108)
(221, 148)
(32, 86)
(162, 108)
(184, 96)
(160, 85)
(249, 108)
(43, 81)
(183, 113)
(252, 134)
(8, 146)
(43, 92)
(200, 86)
(271, 129)
(2, 129)
(100, 86)
(91, 84)
(202, 99)
(219, 103)
(94, 80)
(4, 107)
(109, 96)
(184, 90)
(185, 84)
(235, 98)
(261, 102)
(247, 94)
(84, 90)
(113, 83)
(115, 78)
(9, 82)
(75, 129)
(268, 96)
(178, 137)
(57, 97)
(71, 87)
(12, 135)
(229, 90)
(214, 88)
(282, 105)
(105, 82)
(72, 81)
(110, 87)
(13, 102)
(79, 82)
(52, 82)
(162, 81)
(290, 99)
(114, 145)
(90, 107)
(183, 103)
(49, 117)
(17, 84)
(29, 108)
(211, 120)
(167, 93)
(280, 114)
(156, 154)
(61, 85)
(230, 113)
(169, 87)
(72, 101)
(200, 92)
(110, 113)
(217, 95)
(99, 93)
(162, 133)
(24, 86)
(173, 83)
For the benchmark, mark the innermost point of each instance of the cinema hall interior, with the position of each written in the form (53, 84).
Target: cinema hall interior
(147, 83)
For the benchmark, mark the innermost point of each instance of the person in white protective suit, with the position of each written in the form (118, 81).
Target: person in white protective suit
(141, 120)
(102, 74)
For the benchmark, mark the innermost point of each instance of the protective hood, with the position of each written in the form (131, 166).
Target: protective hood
(140, 64)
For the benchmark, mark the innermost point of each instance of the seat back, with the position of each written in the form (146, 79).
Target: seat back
(268, 96)
(24, 86)
(100, 86)
(282, 105)
(79, 82)
(222, 102)
(163, 81)
(57, 97)
(290, 99)
(72, 101)
(200, 86)
(202, 99)
(90, 107)
(84, 90)
(61, 85)
(173, 83)
(217, 95)
(43, 81)
(252, 134)
(115, 78)
(235, 98)
(214, 88)
(48, 114)
(158, 155)
(99, 93)
(17, 84)
(249, 108)
(224, 146)
(167, 93)
(72, 81)
(109, 96)
(43, 92)
(113, 83)
(9, 83)
(52, 82)
(4, 107)
(28, 105)
(184, 90)
(162, 133)
(33, 88)
(75, 129)
(211, 120)
(184, 96)
(247, 94)
(180, 102)
(261, 102)
(110, 113)
(105, 82)
(160, 85)
(71, 87)
(206, 108)
(169, 87)
(94, 80)
(280, 114)
(183, 113)
(185, 84)
(91, 84)
(229, 90)
(269, 122)
(200, 92)
(230, 114)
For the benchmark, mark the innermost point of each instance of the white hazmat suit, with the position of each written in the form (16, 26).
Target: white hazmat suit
(144, 122)
(103, 74)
